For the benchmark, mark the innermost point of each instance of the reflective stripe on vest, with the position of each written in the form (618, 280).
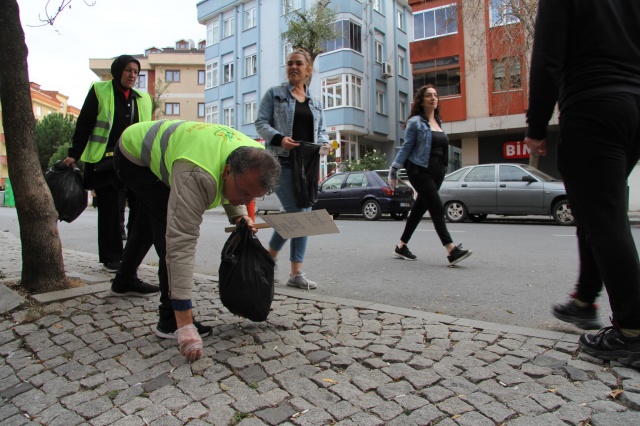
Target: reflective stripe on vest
(147, 145)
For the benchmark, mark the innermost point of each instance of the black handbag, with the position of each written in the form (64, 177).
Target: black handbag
(305, 164)
(245, 275)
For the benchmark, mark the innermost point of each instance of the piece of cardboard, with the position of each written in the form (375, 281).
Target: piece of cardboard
(302, 224)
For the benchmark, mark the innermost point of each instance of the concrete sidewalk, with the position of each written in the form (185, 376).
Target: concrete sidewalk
(83, 357)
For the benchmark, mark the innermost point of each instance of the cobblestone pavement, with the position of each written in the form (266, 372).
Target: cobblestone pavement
(93, 359)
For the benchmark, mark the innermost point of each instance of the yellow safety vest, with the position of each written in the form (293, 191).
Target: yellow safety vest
(158, 144)
(97, 144)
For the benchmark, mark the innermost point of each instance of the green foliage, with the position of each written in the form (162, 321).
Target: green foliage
(373, 160)
(54, 131)
(310, 28)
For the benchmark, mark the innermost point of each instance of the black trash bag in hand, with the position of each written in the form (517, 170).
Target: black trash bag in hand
(69, 195)
(246, 275)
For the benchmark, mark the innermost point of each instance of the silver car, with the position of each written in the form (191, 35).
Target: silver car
(473, 192)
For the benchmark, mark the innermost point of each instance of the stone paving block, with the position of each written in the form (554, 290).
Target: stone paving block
(526, 406)
(275, 415)
(368, 401)
(134, 405)
(631, 400)
(68, 418)
(459, 385)
(425, 415)
(33, 402)
(366, 419)
(395, 389)
(615, 418)
(497, 411)
(342, 410)
(192, 411)
(14, 390)
(473, 418)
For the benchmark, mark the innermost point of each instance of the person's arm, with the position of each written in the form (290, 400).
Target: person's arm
(84, 126)
(264, 125)
(409, 142)
(547, 64)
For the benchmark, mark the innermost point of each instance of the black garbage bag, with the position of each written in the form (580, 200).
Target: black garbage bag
(305, 165)
(246, 275)
(69, 195)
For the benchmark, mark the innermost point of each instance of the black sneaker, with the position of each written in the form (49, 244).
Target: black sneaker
(585, 318)
(132, 287)
(458, 254)
(170, 332)
(404, 253)
(609, 344)
(111, 266)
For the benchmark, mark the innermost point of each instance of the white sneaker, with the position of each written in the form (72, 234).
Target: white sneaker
(300, 281)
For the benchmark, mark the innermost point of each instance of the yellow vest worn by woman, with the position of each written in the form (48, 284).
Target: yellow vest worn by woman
(158, 144)
(97, 144)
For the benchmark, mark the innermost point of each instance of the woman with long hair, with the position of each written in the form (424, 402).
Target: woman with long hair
(425, 155)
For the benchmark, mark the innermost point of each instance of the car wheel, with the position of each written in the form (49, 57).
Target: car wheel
(477, 217)
(400, 215)
(371, 210)
(561, 213)
(455, 211)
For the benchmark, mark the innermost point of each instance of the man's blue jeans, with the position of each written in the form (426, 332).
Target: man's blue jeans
(286, 195)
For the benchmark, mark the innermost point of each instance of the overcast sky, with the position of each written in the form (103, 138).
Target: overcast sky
(59, 55)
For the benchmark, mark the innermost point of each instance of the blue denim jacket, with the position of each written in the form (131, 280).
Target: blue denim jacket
(275, 116)
(417, 143)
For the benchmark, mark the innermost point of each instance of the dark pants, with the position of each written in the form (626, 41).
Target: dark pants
(149, 227)
(109, 237)
(599, 146)
(427, 182)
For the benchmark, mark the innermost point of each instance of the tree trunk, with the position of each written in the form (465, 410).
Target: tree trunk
(42, 264)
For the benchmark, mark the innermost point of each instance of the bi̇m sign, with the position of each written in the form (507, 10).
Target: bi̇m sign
(518, 149)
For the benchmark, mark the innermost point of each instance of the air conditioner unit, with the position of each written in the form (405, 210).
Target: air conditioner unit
(387, 70)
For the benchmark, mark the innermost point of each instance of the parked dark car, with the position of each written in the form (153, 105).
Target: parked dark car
(473, 192)
(365, 192)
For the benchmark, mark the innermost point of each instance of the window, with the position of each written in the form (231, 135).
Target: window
(402, 107)
(501, 12)
(378, 52)
(511, 174)
(141, 83)
(286, 49)
(183, 45)
(481, 174)
(250, 18)
(227, 27)
(250, 112)
(443, 73)
(350, 37)
(211, 114)
(333, 182)
(201, 76)
(213, 31)
(39, 111)
(402, 61)
(400, 19)
(200, 109)
(250, 65)
(228, 117)
(377, 5)
(380, 102)
(290, 5)
(356, 180)
(172, 76)
(435, 22)
(172, 109)
(507, 74)
(343, 90)
(227, 73)
(212, 75)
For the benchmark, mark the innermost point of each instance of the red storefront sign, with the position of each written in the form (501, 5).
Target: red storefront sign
(518, 149)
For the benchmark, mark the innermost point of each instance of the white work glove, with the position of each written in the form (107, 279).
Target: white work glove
(190, 342)
(393, 178)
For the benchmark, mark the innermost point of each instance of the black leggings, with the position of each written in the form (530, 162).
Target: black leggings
(427, 182)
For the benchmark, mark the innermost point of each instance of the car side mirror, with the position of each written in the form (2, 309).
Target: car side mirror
(528, 178)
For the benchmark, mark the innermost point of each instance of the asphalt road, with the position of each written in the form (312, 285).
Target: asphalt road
(519, 268)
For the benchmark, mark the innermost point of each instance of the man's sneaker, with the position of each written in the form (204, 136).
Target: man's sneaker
(170, 333)
(458, 254)
(586, 318)
(132, 287)
(609, 344)
(404, 253)
(111, 266)
(300, 281)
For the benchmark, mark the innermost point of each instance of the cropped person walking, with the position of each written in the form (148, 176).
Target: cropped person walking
(424, 154)
(586, 57)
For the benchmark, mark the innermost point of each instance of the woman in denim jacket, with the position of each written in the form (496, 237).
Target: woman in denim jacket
(288, 113)
(425, 155)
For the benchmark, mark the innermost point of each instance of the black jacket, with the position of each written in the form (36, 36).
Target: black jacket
(581, 48)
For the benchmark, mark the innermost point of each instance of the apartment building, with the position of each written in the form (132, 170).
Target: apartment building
(44, 102)
(363, 77)
(175, 76)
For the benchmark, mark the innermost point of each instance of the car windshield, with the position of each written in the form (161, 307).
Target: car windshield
(540, 175)
(385, 177)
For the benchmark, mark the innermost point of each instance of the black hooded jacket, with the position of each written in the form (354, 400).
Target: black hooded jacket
(89, 114)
